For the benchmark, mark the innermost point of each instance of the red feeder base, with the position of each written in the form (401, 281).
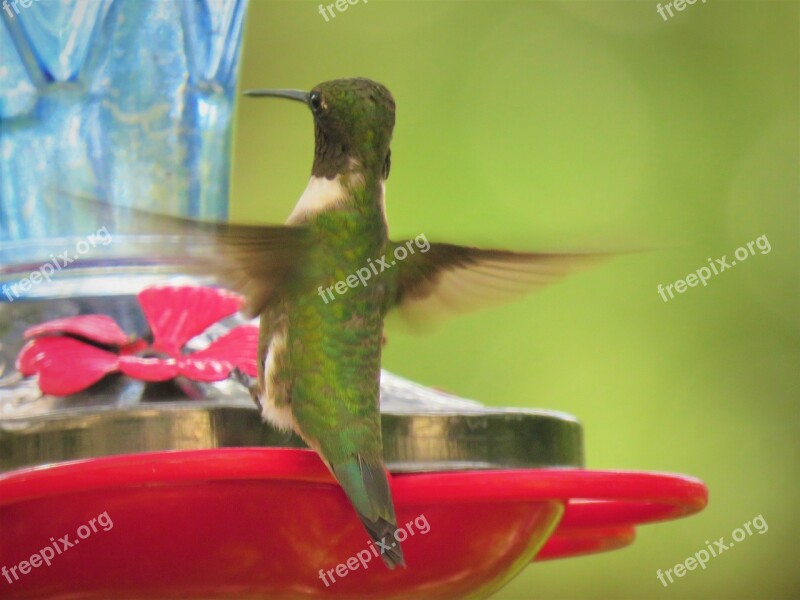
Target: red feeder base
(272, 523)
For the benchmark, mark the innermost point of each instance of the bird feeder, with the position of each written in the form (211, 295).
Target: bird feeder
(132, 463)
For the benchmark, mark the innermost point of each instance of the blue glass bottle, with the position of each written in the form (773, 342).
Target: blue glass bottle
(130, 101)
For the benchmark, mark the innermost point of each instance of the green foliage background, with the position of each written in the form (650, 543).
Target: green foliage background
(573, 124)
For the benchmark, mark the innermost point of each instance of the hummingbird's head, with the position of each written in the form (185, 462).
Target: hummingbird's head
(353, 123)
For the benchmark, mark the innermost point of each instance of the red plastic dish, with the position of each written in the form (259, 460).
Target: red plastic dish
(260, 522)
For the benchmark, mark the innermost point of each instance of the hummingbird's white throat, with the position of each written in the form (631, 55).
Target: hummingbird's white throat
(323, 194)
(320, 194)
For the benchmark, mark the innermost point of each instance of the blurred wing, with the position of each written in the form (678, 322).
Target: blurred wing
(259, 261)
(452, 279)
(255, 260)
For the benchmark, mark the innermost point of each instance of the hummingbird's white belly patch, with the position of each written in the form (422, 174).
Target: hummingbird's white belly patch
(280, 415)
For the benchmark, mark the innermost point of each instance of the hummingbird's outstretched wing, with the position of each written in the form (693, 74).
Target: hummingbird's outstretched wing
(255, 260)
(261, 262)
(449, 279)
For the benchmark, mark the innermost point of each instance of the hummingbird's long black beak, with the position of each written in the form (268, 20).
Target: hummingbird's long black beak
(291, 94)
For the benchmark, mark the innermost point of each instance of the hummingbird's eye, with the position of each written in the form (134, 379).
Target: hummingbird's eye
(315, 101)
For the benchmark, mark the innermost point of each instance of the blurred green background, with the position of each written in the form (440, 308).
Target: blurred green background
(573, 124)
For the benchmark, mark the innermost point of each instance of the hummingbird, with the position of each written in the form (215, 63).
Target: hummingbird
(319, 354)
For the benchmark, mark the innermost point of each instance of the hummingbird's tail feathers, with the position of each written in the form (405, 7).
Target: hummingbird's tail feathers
(382, 533)
(367, 487)
(443, 279)
(259, 261)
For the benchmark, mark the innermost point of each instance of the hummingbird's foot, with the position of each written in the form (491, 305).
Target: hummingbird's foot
(255, 394)
(251, 384)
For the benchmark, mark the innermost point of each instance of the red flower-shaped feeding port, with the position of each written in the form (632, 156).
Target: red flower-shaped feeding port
(73, 353)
